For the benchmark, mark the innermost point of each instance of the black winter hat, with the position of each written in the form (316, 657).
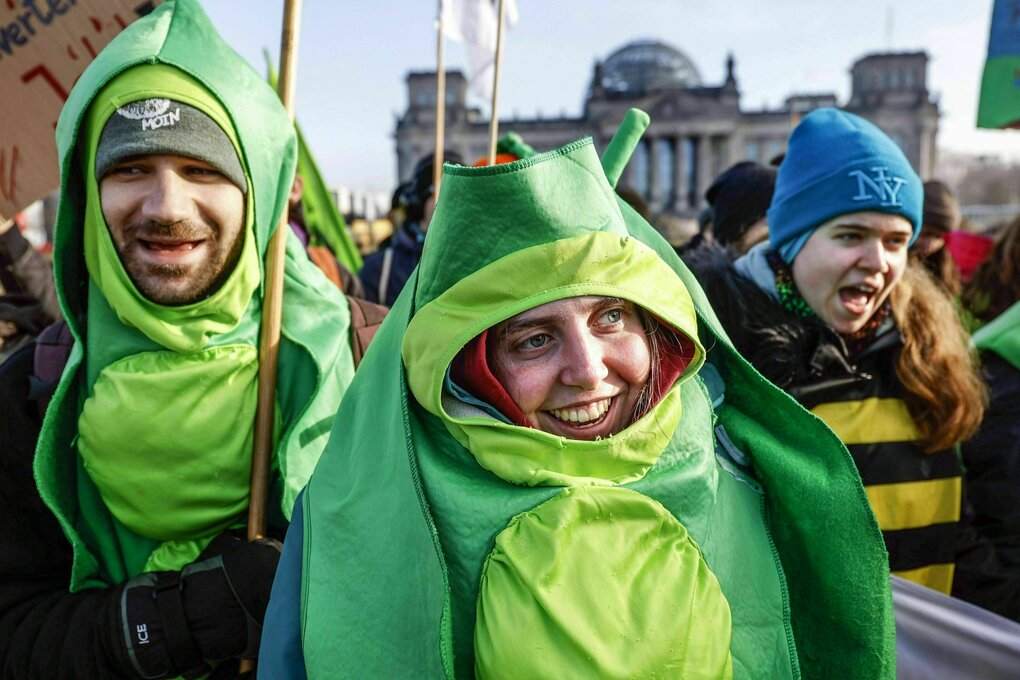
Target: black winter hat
(423, 173)
(420, 185)
(941, 209)
(740, 197)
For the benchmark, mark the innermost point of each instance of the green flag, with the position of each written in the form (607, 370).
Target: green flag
(323, 220)
(999, 105)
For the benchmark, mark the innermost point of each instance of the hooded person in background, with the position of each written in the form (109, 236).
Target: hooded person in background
(831, 311)
(121, 549)
(385, 272)
(739, 198)
(941, 216)
(554, 489)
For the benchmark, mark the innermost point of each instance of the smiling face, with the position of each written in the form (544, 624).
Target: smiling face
(576, 367)
(848, 267)
(177, 224)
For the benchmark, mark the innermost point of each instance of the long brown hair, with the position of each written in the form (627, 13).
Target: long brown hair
(936, 367)
(995, 285)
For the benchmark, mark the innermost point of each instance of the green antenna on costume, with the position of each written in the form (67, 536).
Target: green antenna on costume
(513, 143)
(622, 146)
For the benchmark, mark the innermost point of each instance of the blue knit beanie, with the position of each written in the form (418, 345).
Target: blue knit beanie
(838, 163)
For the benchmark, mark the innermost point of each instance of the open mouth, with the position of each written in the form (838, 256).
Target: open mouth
(170, 247)
(588, 415)
(857, 299)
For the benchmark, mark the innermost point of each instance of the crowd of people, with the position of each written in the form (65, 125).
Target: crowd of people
(570, 448)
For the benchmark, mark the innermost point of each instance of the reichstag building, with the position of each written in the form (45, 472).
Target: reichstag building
(697, 129)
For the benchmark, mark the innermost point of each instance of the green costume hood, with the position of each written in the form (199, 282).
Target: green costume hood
(1002, 335)
(432, 529)
(145, 449)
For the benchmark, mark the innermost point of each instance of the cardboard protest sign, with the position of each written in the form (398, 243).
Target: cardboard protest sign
(44, 47)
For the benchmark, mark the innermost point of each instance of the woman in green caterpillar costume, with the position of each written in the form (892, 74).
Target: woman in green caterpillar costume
(529, 478)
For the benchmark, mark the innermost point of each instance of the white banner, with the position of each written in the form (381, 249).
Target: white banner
(475, 23)
(940, 637)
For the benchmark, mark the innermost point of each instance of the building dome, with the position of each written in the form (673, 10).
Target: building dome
(643, 65)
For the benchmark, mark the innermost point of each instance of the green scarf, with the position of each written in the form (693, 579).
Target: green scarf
(184, 328)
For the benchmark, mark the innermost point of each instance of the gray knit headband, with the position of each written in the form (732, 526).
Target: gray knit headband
(165, 126)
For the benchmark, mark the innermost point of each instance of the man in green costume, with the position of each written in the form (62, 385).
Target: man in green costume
(578, 475)
(122, 537)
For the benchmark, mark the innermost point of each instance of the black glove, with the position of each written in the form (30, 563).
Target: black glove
(174, 623)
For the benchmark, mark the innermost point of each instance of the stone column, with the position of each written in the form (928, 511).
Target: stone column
(654, 196)
(722, 160)
(734, 149)
(704, 170)
(693, 173)
(679, 175)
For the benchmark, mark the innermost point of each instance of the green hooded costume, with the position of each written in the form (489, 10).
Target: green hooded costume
(436, 540)
(1002, 336)
(145, 451)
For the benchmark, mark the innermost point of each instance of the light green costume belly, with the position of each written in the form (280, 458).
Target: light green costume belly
(171, 454)
(673, 575)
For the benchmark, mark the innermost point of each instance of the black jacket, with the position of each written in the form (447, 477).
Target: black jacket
(403, 254)
(36, 610)
(46, 631)
(917, 497)
(992, 459)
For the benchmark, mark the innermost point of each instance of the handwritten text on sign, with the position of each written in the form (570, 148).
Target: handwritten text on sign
(44, 47)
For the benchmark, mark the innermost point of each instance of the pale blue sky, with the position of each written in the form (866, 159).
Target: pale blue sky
(355, 53)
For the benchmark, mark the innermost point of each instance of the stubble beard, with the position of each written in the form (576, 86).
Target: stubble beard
(176, 285)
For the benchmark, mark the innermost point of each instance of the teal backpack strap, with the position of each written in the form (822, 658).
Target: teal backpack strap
(732, 459)
(714, 384)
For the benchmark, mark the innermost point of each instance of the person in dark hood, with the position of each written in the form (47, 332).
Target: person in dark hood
(739, 198)
(385, 272)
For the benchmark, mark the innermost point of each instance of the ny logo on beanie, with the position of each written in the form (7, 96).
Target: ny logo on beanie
(886, 188)
(154, 113)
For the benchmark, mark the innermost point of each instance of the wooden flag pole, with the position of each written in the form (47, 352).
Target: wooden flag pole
(494, 122)
(437, 157)
(272, 304)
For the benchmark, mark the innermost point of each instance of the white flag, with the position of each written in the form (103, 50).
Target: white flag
(475, 23)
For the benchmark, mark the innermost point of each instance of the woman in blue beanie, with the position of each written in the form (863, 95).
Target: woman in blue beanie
(831, 311)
